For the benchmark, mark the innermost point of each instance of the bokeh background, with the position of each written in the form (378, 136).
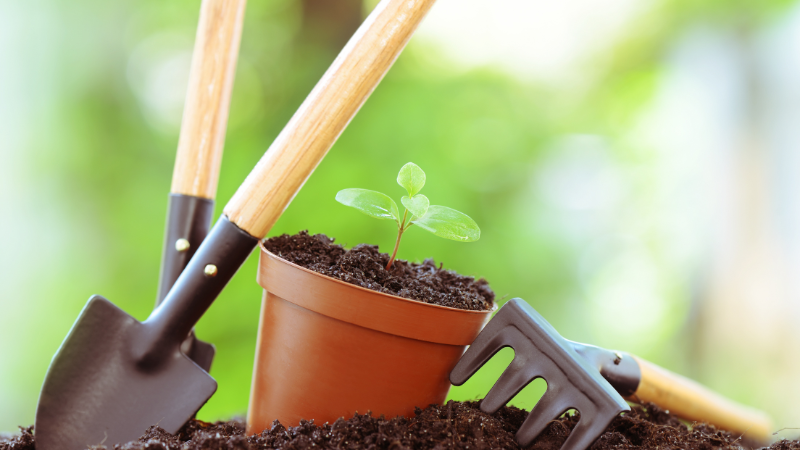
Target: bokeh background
(633, 165)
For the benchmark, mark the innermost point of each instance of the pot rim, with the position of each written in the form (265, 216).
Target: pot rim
(405, 317)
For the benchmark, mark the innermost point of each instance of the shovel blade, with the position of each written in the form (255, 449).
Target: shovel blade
(96, 392)
(201, 352)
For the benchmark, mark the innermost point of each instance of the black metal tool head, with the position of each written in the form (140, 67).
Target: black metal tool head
(98, 392)
(540, 352)
(113, 376)
(201, 352)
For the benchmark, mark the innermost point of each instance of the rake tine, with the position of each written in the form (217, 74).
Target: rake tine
(493, 338)
(549, 408)
(516, 376)
(588, 429)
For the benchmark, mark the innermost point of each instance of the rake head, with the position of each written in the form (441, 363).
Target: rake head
(540, 352)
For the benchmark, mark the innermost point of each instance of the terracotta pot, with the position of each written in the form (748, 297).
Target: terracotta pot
(327, 349)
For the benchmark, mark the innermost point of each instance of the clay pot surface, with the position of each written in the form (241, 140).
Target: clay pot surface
(328, 349)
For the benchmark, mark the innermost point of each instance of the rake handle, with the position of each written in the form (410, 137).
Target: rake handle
(205, 112)
(693, 402)
(324, 114)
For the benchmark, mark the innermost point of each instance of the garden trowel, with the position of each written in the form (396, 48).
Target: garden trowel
(113, 376)
(589, 379)
(194, 179)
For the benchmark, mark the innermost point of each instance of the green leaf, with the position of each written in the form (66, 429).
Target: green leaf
(450, 224)
(371, 203)
(412, 178)
(418, 204)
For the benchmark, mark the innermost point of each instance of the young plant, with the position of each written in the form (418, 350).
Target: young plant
(440, 220)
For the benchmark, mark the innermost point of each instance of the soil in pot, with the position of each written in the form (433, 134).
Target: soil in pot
(455, 425)
(365, 266)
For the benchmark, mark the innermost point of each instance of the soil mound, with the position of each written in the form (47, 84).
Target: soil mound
(364, 266)
(454, 426)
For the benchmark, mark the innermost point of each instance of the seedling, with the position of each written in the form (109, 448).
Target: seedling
(440, 220)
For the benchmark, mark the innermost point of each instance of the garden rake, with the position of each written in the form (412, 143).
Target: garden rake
(591, 380)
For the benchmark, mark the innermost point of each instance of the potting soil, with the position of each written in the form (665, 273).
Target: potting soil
(455, 425)
(365, 266)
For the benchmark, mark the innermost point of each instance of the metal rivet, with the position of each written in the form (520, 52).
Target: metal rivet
(618, 359)
(182, 245)
(210, 270)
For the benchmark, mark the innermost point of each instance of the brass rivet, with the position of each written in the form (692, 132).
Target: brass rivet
(182, 245)
(210, 270)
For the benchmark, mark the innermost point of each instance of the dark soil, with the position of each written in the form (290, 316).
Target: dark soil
(364, 265)
(455, 425)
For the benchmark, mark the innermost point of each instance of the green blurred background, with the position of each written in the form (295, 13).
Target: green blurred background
(632, 165)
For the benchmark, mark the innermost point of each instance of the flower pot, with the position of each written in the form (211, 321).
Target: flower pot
(328, 349)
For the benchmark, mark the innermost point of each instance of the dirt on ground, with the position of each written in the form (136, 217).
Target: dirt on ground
(455, 425)
(365, 266)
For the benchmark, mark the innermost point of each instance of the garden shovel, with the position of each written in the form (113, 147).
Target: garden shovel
(194, 179)
(114, 376)
(589, 379)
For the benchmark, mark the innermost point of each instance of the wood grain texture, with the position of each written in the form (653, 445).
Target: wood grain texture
(205, 113)
(324, 114)
(694, 402)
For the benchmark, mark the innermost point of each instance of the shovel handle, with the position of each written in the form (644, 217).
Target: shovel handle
(281, 172)
(205, 113)
(324, 114)
(692, 401)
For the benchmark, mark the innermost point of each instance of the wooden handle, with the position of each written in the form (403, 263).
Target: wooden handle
(205, 113)
(324, 114)
(691, 401)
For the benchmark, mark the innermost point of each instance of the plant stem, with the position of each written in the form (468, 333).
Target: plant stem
(400, 229)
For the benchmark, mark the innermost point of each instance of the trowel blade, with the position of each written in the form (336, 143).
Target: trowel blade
(96, 392)
(201, 352)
